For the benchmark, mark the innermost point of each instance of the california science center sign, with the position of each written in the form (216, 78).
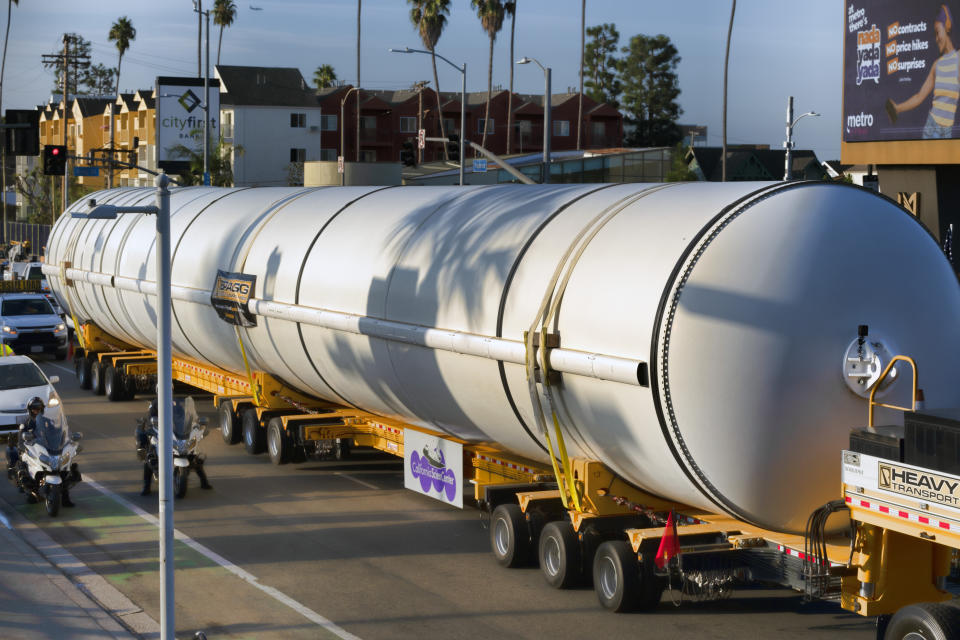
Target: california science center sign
(901, 74)
(180, 116)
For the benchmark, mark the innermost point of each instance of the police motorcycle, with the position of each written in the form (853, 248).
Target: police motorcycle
(188, 430)
(45, 470)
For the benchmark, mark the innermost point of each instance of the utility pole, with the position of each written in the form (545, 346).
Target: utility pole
(358, 80)
(418, 87)
(65, 59)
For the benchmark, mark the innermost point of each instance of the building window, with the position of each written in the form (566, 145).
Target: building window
(328, 123)
(561, 128)
(450, 126)
(368, 122)
(598, 129)
(298, 120)
(298, 155)
(227, 124)
(524, 126)
(368, 156)
(328, 154)
(490, 126)
(408, 124)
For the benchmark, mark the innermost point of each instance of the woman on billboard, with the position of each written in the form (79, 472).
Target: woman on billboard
(943, 80)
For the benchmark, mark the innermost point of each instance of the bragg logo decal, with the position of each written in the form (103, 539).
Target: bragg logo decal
(919, 484)
(230, 295)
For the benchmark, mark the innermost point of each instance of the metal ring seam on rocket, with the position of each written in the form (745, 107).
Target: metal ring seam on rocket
(296, 295)
(661, 342)
(243, 247)
(508, 281)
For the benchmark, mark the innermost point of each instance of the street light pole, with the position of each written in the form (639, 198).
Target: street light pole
(788, 144)
(164, 384)
(206, 97)
(463, 98)
(343, 152)
(547, 115)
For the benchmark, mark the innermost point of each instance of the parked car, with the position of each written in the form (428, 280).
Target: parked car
(29, 324)
(20, 380)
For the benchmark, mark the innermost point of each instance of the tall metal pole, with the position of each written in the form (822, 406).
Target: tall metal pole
(547, 125)
(726, 64)
(206, 108)
(358, 82)
(788, 144)
(343, 176)
(463, 117)
(66, 119)
(165, 409)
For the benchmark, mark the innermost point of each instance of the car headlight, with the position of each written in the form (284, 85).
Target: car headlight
(53, 402)
(60, 328)
(9, 330)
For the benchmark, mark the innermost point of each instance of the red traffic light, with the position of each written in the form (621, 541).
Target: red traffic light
(55, 151)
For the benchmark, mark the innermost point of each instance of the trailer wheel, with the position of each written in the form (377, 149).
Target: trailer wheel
(96, 377)
(560, 555)
(229, 423)
(616, 576)
(81, 365)
(253, 436)
(129, 387)
(924, 621)
(278, 442)
(509, 538)
(113, 383)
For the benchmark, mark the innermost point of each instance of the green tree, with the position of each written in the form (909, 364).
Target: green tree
(122, 33)
(324, 76)
(100, 79)
(491, 14)
(650, 90)
(76, 45)
(429, 17)
(43, 202)
(679, 169)
(219, 165)
(602, 67)
(224, 13)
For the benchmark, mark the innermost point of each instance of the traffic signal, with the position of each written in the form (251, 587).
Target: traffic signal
(23, 132)
(453, 145)
(54, 160)
(407, 155)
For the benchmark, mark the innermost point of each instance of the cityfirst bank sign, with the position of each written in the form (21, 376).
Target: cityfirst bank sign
(900, 79)
(180, 119)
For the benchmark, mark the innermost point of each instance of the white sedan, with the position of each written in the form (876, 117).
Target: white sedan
(20, 380)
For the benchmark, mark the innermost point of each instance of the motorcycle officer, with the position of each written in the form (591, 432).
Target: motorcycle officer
(143, 451)
(35, 409)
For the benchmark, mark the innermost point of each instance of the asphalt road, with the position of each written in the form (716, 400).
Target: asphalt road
(334, 549)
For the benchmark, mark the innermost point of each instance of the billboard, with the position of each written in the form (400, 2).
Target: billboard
(180, 120)
(901, 73)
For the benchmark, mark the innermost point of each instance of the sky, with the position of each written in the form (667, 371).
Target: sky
(778, 49)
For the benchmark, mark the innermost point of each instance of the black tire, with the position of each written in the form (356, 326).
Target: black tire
(180, 475)
(113, 383)
(616, 576)
(278, 442)
(509, 537)
(96, 377)
(129, 387)
(53, 500)
(651, 585)
(924, 621)
(229, 423)
(254, 438)
(81, 365)
(560, 555)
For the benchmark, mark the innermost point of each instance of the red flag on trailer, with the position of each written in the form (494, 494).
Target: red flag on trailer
(669, 543)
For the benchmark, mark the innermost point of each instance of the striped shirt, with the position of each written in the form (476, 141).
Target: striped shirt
(946, 89)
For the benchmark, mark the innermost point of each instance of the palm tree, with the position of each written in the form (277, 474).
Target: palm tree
(491, 14)
(3, 161)
(726, 59)
(430, 18)
(583, 18)
(511, 8)
(324, 76)
(224, 13)
(122, 33)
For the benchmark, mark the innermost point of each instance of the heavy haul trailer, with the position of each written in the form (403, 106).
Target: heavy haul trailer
(892, 563)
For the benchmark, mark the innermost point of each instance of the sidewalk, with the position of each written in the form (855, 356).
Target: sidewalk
(40, 599)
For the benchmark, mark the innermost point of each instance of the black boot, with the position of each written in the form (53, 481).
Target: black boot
(65, 497)
(147, 476)
(204, 484)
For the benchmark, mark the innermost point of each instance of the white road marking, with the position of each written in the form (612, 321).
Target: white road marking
(357, 480)
(248, 577)
(63, 368)
(5, 522)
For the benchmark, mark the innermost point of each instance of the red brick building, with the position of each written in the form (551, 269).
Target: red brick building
(388, 118)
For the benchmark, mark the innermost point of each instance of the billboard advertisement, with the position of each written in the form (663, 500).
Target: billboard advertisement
(180, 120)
(901, 73)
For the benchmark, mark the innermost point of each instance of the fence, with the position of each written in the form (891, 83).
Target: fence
(36, 234)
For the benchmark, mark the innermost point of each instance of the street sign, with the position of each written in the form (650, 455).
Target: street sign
(421, 138)
(479, 165)
(339, 164)
(87, 172)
